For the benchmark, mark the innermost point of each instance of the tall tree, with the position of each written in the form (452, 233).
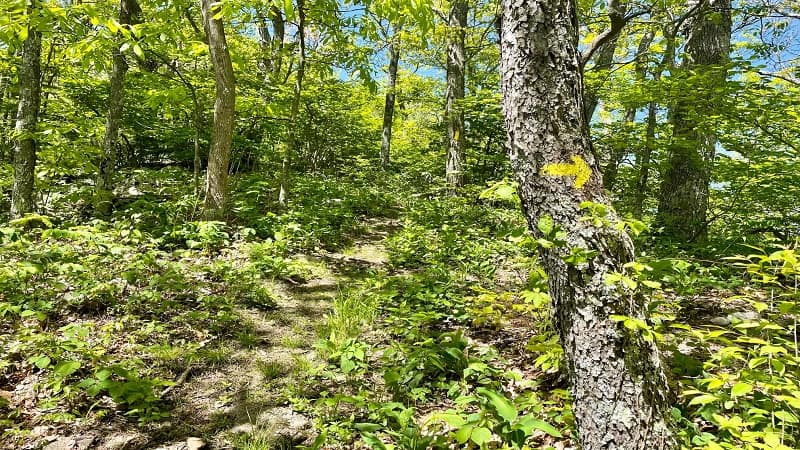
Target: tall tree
(128, 12)
(611, 169)
(291, 145)
(683, 203)
(604, 58)
(388, 106)
(454, 115)
(25, 141)
(617, 379)
(219, 154)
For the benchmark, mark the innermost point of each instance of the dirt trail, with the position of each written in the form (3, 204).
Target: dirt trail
(240, 401)
(246, 393)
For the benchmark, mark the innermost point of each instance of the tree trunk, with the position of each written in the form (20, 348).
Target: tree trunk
(128, 10)
(291, 145)
(640, 193)
(617, 379)
(219, 154)
(197, 121)
(388, 108)
(454, 115)
(643, 160)
(265, 45)
(611, 170)
(683, 203)
(605, 55)
(278, 34)
(25, 142)
(5, 125)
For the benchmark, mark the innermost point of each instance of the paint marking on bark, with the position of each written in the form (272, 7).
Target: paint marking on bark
(578, 169)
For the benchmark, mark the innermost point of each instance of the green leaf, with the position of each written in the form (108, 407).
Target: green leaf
(740, 389)
(786, 416)
(368, 427)
(703, 399)
(545, 225)
(66, 368)
(138, 51)
(462, 434)
(529, 423)
(500, 403)
(481, 435)
(40, 361)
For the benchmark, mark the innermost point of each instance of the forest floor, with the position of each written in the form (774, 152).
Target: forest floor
(374, 312)
(216, 404)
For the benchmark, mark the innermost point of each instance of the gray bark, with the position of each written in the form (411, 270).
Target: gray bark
(683, 203)
(454, 115)
(25, 141)
(291, 145)
(388, 107)
(128, 10)
(219, 154)
(617, 379)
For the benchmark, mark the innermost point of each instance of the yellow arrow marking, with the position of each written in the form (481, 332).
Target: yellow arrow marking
(578, 169)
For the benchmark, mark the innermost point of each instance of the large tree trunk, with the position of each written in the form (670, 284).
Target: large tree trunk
(388, 107)
(128, 10)
(25, 142)
(683, 203)
(219, 154)
(617, 379)
(291, 145)
(454, 115)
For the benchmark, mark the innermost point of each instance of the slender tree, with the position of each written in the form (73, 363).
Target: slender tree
(128, 12)
(604, 58)
(611, 169)
(25, 141)
(617, 379)
(219, 154)
(456, 64)
(291, 145)
(388, 107)
(683, 203)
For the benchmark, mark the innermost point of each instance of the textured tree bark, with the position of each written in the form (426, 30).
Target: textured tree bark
(620, 392)
(291, 145)
(454, 115)
(611, 170)
(219, 154)
(128, 10)
(25, 141)
(683, 202)
(388, 107)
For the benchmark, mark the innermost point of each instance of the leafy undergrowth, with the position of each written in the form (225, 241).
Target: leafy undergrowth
(438, 335)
